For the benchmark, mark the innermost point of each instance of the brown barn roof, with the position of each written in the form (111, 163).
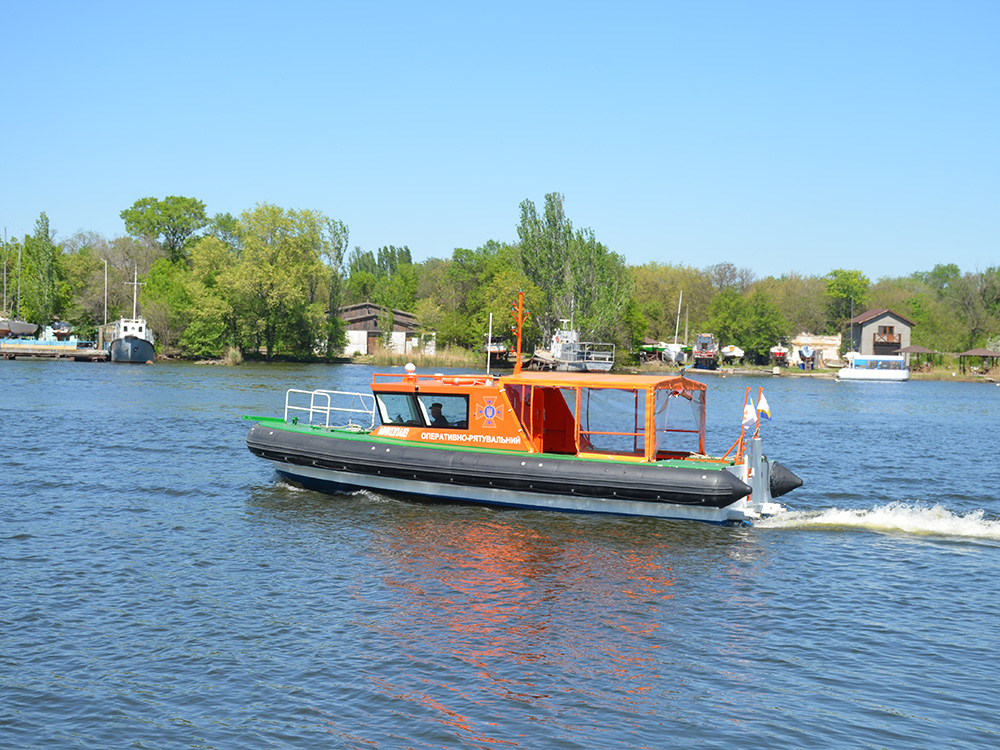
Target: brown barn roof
(866, 316)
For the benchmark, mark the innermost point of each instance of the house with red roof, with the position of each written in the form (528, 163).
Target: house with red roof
(880, 332)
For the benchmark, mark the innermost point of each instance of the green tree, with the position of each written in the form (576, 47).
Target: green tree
(752, 322)
(728, 317)
(579, 277)
(601, 289)
(728, 276)
(766, 326)
(801, 300)
(332, 253)
(977, 300)
(388, 279)
(437, 304)
(545, 254)
(362, 261)
(658, 289)
(13, 254)
(166, 301)
(273, 286)
(212, 326)
(941, 278)
(82, 272)
(495, 276)
(846, 292)
(38, 276)
(225, 228)
(172, 221)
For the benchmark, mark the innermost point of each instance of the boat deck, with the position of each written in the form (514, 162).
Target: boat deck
(24, 348)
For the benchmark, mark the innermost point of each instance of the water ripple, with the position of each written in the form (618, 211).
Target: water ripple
(161, 590)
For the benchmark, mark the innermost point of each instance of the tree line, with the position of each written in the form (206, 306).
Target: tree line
(270, 282)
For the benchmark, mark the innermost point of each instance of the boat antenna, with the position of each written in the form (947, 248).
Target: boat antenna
(489, 341)
(520, 315)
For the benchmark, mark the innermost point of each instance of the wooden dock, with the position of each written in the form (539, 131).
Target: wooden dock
(32, 348)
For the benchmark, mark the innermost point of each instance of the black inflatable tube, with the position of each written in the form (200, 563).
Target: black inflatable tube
(518, 472)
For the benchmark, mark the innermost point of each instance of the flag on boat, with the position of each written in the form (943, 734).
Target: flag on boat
(749, 414)
(763, 408)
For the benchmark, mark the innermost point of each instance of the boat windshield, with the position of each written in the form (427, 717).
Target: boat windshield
(398, 408)
(425, 410)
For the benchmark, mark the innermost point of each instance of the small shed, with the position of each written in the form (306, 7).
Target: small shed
(986, 359)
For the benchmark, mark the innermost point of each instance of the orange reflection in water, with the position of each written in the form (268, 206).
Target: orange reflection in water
(536, 610)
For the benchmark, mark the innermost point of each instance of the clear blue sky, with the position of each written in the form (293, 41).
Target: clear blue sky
(792, 136)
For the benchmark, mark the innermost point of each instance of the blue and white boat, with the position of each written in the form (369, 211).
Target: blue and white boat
(874, 367)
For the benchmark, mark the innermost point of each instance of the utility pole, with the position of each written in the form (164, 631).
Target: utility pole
(105, 291)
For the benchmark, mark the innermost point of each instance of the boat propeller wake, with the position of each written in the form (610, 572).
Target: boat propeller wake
(893, 518)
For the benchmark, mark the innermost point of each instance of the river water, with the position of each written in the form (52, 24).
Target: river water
(160, 589)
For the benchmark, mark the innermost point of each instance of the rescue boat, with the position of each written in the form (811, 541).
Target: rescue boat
(619, 444)
(564, 441)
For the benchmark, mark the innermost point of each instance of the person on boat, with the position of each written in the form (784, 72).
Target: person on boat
(437, 418)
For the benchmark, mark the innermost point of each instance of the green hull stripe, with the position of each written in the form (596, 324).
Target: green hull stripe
(366, 437)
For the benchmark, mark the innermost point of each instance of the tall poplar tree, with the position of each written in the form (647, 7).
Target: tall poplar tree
(581, 280)
(38, 275)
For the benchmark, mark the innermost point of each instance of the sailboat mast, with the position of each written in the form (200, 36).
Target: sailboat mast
(18, 281)
(135, 290)
(677, 326)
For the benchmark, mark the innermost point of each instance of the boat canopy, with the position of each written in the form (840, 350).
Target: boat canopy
(630, 417)
(644, 417)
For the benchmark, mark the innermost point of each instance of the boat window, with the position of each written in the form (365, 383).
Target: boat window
(611, 420)
(679, 414)
(398, 408)
(445, 411)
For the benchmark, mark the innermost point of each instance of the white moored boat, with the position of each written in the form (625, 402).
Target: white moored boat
(874, 367)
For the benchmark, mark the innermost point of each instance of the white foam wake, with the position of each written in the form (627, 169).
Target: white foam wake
(905, 518)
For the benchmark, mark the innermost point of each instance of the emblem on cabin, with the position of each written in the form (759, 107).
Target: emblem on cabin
(489, 413)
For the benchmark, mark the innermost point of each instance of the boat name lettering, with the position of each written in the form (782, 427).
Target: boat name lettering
(465, 437)
(394, 431)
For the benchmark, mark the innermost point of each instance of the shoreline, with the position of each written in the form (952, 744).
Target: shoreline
(824, 374)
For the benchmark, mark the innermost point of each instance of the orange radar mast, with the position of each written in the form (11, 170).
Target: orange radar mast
(520, 315)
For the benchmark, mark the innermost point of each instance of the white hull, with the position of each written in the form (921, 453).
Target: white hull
(886, 376)
(739, 512)
(875, 367)
(11, 327)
